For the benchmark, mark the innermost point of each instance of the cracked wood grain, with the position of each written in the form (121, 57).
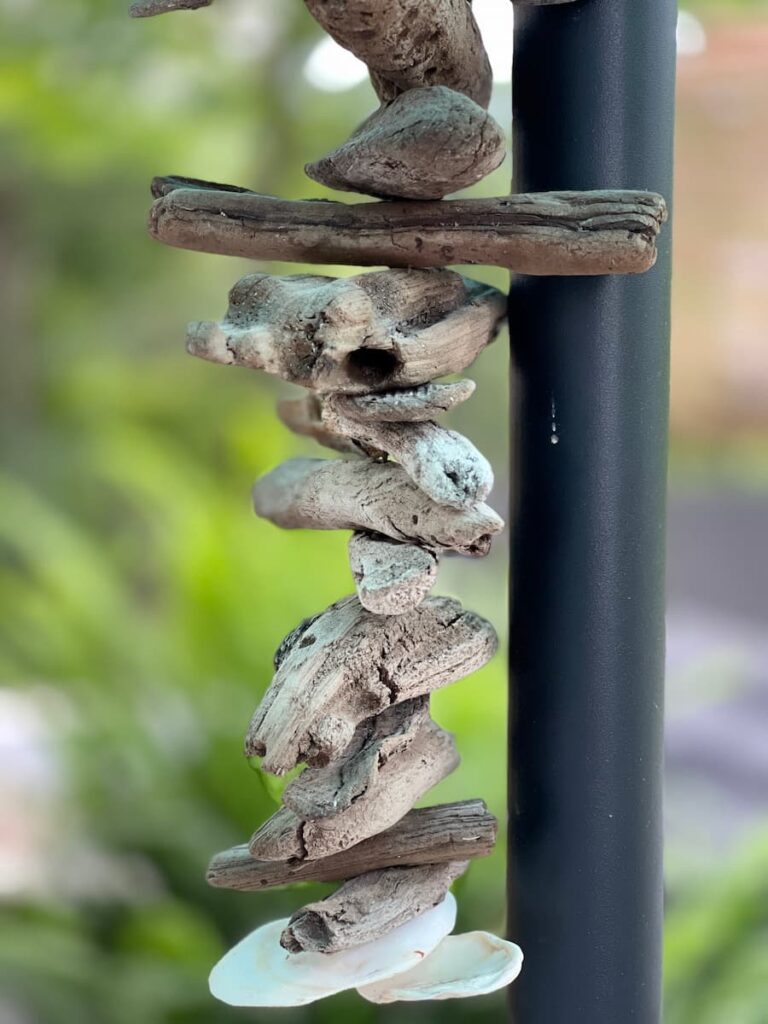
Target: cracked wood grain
(406, 405)
(408, 44)
(443, 463)
(358, 334)
(345, 665)
(426, 835)
(391, 578)
(369, 906)
(547, 233)
(425, 144)
(329, 494)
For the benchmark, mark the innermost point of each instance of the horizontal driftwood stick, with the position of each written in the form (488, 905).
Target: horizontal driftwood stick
(557, 233)
(406, 405)
(345, 665)
(427, 835)
(149, 8)
(369, 906)
(339, 494)
(408, 44)
(391, 578)
(303, 417)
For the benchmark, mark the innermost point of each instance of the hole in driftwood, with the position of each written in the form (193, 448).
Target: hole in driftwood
(372, 365)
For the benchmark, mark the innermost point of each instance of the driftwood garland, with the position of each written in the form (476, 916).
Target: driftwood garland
(427, 835)
(552, 233)
(425, 144)
(358, 334)
(391, 578)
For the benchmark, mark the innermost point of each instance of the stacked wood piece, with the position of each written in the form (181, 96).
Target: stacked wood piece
(350, 696)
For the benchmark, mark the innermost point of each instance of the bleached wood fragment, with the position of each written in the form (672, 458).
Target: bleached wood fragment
(345, 665)
(327, 810)
(411, 43)
(357, 334)
(330, 494)
(425, 144)
(406, 405)
(391, 578)
(369, 906)
(443, 463)
(549, 233)
(426, 835)
(149, 8)
(303, 417)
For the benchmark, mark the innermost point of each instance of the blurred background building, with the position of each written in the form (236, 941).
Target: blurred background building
(140, 601)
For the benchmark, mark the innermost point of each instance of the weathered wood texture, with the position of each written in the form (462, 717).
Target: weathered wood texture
(357, 334)
(425, 144)
(327, 810)
(303, 417)
(330, 494)
(369, 906)
(149, 8)
(427, 835)
(411, 43)
(406, 405)
(551, 233)
(443, 463)
(345, 665)
(391, 578)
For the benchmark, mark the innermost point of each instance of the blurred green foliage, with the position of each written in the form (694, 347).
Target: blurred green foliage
(140, 601)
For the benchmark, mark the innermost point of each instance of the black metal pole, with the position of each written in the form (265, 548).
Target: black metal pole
(593, 108)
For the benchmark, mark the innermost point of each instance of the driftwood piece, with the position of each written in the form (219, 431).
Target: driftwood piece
(334, 808)
(356, 334)
(303, 417)
(550, 233)
(149, 8)
(391, 578)
(425, 144)
(406, 405)
(426, 835)
(329, 494)
(345, 665)
(408, 44)
(443, 463)
(368, 907)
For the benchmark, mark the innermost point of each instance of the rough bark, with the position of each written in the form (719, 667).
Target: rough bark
(368, 907)
(329, 494)
(443, 463)
(391, 578)
(331, 809)
(357, 334)
(408, 44)
(427, 835)
(303, 417)
(345, 665)
(149, 8)
(425, 144)
(550, 233)
(407, 405)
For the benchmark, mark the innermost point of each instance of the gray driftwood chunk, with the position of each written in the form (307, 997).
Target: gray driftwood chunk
(425, 144)
(391, 578)
(427, 835)
(330, 494)
(303, 417)
(406, 405)
(550, 233)
(443, 463)
(334, 808)
(345, 665)
(369, 906)
(357, 334)
(411, 43)
(149, 8)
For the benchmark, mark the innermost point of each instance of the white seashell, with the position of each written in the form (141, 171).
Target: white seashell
(472, 964)
(259, 972)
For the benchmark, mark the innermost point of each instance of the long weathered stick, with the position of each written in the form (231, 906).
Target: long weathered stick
(408, 44)
(428, 835)
(369, 906)
(553, 233)
(149, 8)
